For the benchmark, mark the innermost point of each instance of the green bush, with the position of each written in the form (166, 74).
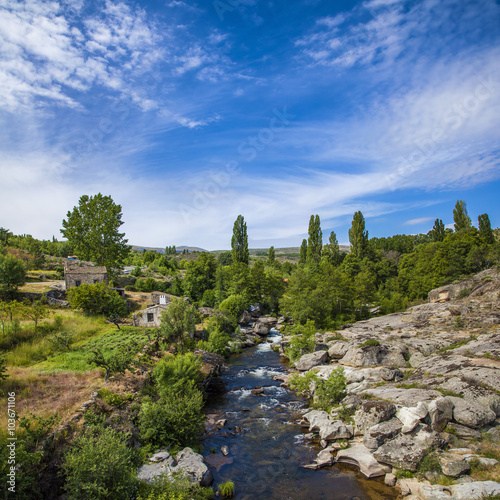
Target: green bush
(303, 340)
(226, 489)
(217, 342)
(370, 343)
(234, 305)
(176, 373)
(330, 391)
(175, 420)
(99, 465)
(302, 383)
(175, 487)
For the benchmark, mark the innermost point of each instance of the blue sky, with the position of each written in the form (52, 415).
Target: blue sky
(190, 113)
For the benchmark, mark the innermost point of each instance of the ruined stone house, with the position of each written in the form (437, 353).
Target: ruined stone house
(77, 273)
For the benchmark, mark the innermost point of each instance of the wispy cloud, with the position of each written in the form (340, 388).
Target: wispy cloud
(417, 221)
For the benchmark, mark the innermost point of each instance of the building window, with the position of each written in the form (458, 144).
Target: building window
(78, 283)
(96, 281)
(151, 317)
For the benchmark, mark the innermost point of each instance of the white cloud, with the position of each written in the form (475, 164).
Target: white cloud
(417, 221)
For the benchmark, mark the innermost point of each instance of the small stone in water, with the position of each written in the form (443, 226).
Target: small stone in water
(225, 450)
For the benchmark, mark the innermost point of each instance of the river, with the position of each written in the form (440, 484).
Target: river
(266, 444)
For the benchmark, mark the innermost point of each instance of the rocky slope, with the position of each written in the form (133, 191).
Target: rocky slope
(423, 393)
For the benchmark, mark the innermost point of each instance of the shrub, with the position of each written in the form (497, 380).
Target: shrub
(370, 343)
(303, 340)
(234, 305)
(175, 487)
(217, 342)
(176, 373)
(99, 465)
(226, 489)
(62, 341)
(330, 391)
(175, 420)
(302, 383)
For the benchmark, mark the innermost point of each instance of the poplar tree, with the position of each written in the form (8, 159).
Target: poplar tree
(271, 256)
(438, 232)
(461, 217)
(358, 237)
(315, 240)
(485, 231)
(303, 252)
(239, 241)
(332, 250)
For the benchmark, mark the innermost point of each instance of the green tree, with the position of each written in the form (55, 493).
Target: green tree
(174, 373)
(200, 276)
(460, 216)
(271, 257)
(485, 232)
(93, 229)
(332, 251)
(225, 259)
(5, 234)
(303, 252)
(438, 232)
(3, 368)
(98, 299)
(178, 322)
(315, 240)
(239, 241)
(12, 275)
(36, 311)
(99, 465)
(113, 361)
(358, 237)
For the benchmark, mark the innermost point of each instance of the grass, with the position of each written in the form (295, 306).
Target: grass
(370, 343)
(445, 392)
(455, 345)
(226, 489)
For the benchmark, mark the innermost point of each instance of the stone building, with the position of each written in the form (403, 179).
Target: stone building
(150, 317)
(77, 273)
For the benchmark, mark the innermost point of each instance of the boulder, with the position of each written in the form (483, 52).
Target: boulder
(377, 435)
(475, 491)
(404, 397)
(328, 429)
(407, 450)
(159, 464)
(410, 417)
(464, 432)
(308, 361)
(453, 465)
(440, 413)
(416, 359)
(393, 355)
(372, 413)
(471, 414)
(338, 349)
(362, 457)
(193, 464)
(433, 492)
(246, 318)
(261, 329)
(390, 479)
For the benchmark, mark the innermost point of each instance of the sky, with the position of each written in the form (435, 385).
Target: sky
(189, 113)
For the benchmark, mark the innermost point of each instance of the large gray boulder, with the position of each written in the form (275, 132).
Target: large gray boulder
(338, 349)
(308, 361)
(328, 429)
(410, 417)
(475, 491)
(453, 465)
(440, 413)
(261, 329)
(407, 450)
(159, 464)
(404, 397)
(471, 414)
(194, 465)
(372, 413)
(362, 457)
(393, 355)
(377, 435)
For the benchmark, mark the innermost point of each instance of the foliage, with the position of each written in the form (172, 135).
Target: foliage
(226, 489)
(113, 361)
(200, 276)
(178, 322)
(93, 230)
(302, 341)
(234, 305)
(358, 237)
(330, 391)
(175, 487)
(175, 420)
(301, 383)
(437, 233)
(12, 275)
(61, 341)
(225, 259)
(303, 252)
(99, 465)
(485, 232)
(331, 252)
(36, 311)
(218, 343)
(175, 373)
(370, 343)
(271, 257)
(3, 368)
(460, 217)
(315, 240)
(239, 241)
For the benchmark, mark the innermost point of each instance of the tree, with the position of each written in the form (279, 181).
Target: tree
(271, 257)
(225, 259)
(114, 361)
(5, 234)
(460, 216)
(98, 299)
(239, 241)
(303, 252)
(332, 250)
(178, 321)
(36, 311)
(485, 232)
(358, 237)
(315, 240)
(12, 275)
(100, 465)
(93, 229)
(438, 232)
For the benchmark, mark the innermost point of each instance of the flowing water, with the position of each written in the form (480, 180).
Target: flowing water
(266, 444)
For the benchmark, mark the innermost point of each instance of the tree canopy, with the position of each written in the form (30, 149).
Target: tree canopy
(239, 241)
(358, 237)
(93, 230)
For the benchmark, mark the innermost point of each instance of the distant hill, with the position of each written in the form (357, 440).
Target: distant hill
(162, 250)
